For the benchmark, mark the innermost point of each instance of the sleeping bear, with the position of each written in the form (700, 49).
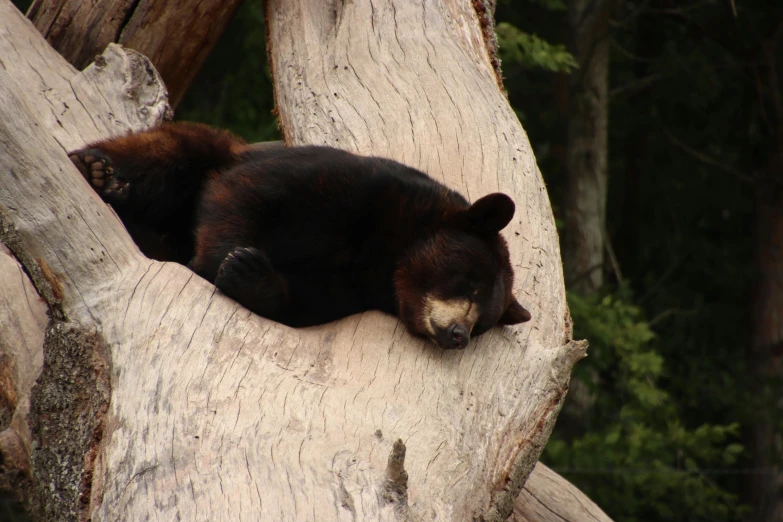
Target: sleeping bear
(307, 235)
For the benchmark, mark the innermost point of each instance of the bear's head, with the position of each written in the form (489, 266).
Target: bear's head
(457, 282)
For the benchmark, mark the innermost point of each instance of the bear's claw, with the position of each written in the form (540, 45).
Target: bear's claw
(243, 262)
(247, 275)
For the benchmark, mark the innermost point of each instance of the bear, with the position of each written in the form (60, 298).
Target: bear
(310, 234)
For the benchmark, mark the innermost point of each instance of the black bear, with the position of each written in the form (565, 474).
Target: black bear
(307, 235)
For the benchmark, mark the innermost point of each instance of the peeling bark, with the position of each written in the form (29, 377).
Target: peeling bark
(68, 408)
(22, 324)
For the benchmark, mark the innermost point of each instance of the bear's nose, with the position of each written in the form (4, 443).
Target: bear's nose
(458, 336)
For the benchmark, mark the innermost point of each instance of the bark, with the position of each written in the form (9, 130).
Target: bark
(766, 359)
(81, 30)
(584, 211)
(765, 352)
(23, 321)
(160, 397)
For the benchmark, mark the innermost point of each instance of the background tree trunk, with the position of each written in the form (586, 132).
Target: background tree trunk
(179, 402)
(765, 486)
(176, 36)
(584, 209)
(765, 352)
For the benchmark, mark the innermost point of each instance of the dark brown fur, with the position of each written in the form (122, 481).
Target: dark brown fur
(311, 234)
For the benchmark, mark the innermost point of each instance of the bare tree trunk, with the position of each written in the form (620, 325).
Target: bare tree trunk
(766, 356)
(766, 349)
(584, 241)
(159, 397)
(176, 36)
(766, 360)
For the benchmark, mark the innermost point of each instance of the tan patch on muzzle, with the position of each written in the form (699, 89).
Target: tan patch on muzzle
(442, 313)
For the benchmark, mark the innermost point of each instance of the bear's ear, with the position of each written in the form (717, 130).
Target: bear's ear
(491, 213)
(514, 314)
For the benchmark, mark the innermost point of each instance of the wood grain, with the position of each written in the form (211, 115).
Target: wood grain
(548, 497)
(413, 80)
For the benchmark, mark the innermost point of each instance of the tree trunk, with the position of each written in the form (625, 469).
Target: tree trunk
(584, 210)
(160, 397)
(766, 358)
(176, 36)
(766, 347)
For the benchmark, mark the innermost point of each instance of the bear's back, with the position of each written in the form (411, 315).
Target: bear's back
(305, 203)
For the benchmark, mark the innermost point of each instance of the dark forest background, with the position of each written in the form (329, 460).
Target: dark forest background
(658, 127)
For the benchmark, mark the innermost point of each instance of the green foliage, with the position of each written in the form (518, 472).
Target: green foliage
(682, 231)
(638, 460)
(234, 88)
(532, 52)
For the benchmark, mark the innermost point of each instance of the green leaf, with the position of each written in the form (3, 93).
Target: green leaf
(532, 52)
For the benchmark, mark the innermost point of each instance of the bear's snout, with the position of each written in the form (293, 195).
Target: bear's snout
(454, 337)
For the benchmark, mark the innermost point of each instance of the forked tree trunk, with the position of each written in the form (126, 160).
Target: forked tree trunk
(176, 36)
(161, 398)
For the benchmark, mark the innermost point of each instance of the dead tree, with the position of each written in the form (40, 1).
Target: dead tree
(160, 397)
(176, 36)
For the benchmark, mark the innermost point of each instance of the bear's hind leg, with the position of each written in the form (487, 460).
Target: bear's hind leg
(247, 276)
(157, 174)
(154, 179)
(97, 169)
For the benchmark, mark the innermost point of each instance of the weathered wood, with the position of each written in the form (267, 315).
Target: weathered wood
(413, 80)
(218, 414)
(47, 109)
(548, 497)
(81, 30)
(76, 107)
